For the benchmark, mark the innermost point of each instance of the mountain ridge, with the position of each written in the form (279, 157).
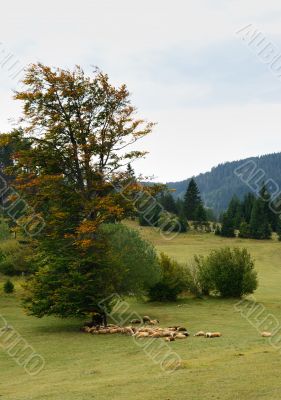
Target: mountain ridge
(220, 184)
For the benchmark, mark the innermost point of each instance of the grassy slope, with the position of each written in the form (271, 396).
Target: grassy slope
(240, 365)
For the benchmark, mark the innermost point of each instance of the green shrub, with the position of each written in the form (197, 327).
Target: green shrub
(134, 260)
(8, 287)
(244, 230)
(14, 258)
(197, 277)
(172, 283)
(229, 272)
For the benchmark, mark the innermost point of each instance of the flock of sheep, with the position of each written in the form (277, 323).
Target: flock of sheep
(147, 329)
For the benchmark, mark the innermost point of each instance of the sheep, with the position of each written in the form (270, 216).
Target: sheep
(156, 335)
(113, 330)
(200, 333)
(167, 334)
(129, 331)
(179, 336)
(153, 322)
(266, 334)
(181, 329)
(136, 321)
(145, 319)
(141, 334)
(212, 334)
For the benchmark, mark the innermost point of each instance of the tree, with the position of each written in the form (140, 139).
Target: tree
(168, 202)
(192, 200)
(80, 132)
(124, 264)
(247, 207)
(235, 212)
(259, 223)
(227, 227)
(200, 214)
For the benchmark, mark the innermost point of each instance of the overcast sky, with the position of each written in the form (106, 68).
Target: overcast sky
(187, 69)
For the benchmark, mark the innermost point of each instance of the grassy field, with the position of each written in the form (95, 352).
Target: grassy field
(240, 365)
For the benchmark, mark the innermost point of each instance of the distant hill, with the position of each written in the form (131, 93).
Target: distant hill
(220, 184)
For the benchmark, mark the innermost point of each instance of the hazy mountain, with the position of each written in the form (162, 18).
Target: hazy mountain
(221, 183)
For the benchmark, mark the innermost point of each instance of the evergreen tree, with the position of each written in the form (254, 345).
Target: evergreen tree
(168, 202)
(259, 223)
(200, 214)
(247, 207)
(130, 172)
(180, 206)
(235, 211)
(192, 200)
(227, 228)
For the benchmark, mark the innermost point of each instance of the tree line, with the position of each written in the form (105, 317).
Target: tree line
(254, 217)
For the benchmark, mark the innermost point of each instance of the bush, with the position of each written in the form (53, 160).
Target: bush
(134, 261)
(244, 230)
(229, 273)
(14, 258)
(197, 277)
(8, 287)
(172, 283)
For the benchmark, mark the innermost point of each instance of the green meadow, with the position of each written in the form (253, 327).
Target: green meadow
(239, 365)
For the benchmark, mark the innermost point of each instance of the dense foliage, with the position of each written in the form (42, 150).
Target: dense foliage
(226, 272)
(253, 217)
(68, 163)
(173, 280)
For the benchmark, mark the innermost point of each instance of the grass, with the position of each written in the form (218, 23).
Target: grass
(240, 365)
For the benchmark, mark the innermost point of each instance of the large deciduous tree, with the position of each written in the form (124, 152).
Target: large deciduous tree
(80, 131)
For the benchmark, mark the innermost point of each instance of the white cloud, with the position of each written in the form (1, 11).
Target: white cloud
(211, 98)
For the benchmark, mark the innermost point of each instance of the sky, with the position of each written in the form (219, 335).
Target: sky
(188, 64)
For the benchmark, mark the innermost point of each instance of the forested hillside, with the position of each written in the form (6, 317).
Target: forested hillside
(218, 186)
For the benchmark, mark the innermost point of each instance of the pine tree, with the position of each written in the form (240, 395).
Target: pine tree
(192, 200)
(168, 202)
(227, 228)
(235, 211)
(200, 214)
(247, 207)
(259, 224)
(130, 172)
